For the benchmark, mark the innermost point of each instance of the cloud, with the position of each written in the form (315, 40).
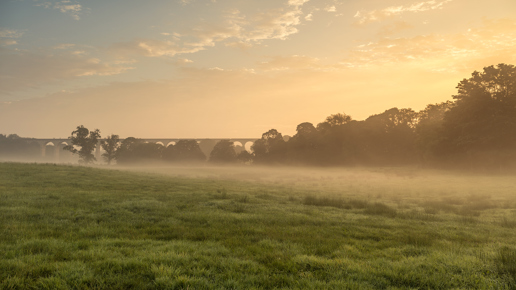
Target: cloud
(183, 61)
(9, 36)
(64, 46)
(147, 47)
(330, 9)
(235, 30)
(23, 70)
(297, 2)
(493, 42)
(6, 42)
(365, 17)
(242, 29)
(64, 6)
(277, 24)
(10, 33)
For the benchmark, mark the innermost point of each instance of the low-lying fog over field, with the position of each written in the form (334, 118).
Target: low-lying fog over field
(396, 183)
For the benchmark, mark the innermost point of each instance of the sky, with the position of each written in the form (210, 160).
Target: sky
(235, 68)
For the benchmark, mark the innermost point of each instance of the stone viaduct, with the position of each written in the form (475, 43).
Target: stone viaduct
(206, 145)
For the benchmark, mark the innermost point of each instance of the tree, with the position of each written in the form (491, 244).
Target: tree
(270, 148)
(481, 125)
(497, 83)
(223, 152)
(389, 137)
(245, 157)
(429, 129)
(13, 147)
(333, 121)
(133, 150)
(303, 146)
(110, 145)
(87, 141)
(184, 151)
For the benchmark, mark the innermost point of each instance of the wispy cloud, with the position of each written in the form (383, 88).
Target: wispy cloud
(297, 2)
(9, 36)
(10, 33)
(64, 46)
(495, 41)
(273, 25)
(331, 8)
(33, 69)
(64, 6)
(234, 30)
(364, 17)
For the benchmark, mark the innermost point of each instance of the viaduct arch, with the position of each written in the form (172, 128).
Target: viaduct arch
(206, 144)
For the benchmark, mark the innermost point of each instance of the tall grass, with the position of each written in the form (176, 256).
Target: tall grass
(506, 264)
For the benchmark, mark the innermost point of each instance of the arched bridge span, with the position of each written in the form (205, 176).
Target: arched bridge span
(206, 144)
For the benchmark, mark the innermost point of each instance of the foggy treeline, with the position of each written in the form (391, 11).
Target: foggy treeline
(475, 130)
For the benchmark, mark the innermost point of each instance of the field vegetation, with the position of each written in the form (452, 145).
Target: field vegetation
(74, 227)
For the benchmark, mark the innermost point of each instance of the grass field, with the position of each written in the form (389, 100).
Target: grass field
(70, 227)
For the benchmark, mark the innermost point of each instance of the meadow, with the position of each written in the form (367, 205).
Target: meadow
(73, 227)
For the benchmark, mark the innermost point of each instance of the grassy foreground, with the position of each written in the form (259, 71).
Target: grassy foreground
(65, 227)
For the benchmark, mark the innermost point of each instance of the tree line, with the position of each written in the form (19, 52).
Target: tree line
(136, 151)
(476, 129)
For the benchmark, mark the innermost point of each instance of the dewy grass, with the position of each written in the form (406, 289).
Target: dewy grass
(506, 264)
(69, 227)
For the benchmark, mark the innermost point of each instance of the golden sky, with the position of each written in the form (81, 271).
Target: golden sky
(233, 68)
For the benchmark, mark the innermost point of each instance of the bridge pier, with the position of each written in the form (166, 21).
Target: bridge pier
(43, 149)
(97, 151)
(205, 144)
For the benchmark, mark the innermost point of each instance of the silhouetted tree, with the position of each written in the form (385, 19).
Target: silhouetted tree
(223, 152)
(303, 146)
(184, 151)
(14, 147)
(389, 137)
(133, 150)
(429, 129)
(270, 148)
(110, 145)
(333, 121)
(245, 157)
(87, 141)
(481, 126)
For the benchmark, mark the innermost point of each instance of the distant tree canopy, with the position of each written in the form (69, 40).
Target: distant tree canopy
(133, 150)
(223, 152)
(110, 146)
(478, 128)
(271, 148)
(184, 151)
(86, 140)
(13, 146)
(481, 124)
